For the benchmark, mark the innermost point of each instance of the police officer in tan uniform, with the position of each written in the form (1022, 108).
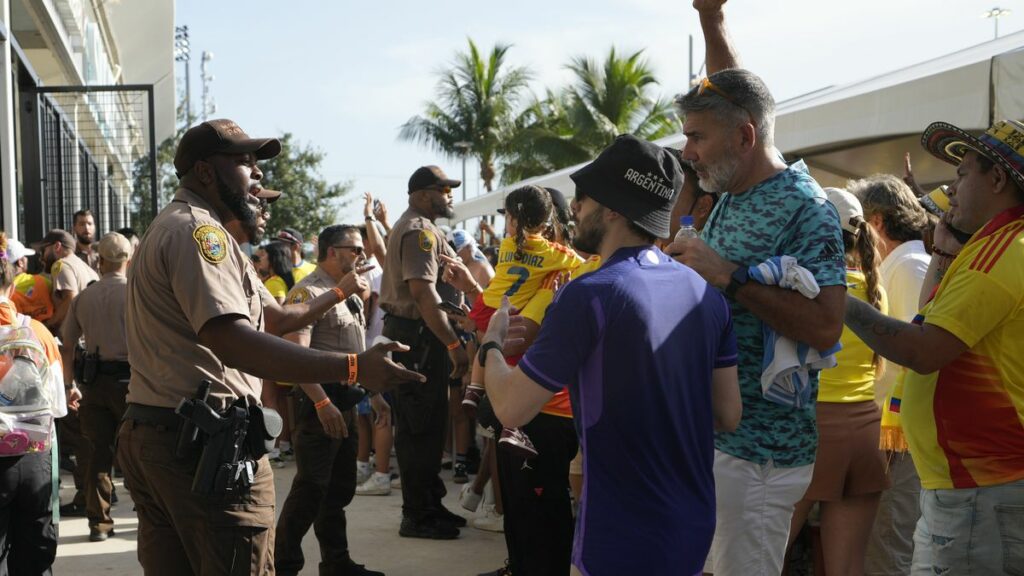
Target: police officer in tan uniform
(97, 314)
(196, 311)
(325, 432)
(410, 294)
(70, 275)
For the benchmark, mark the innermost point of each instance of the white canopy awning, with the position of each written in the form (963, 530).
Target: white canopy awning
(864, 128)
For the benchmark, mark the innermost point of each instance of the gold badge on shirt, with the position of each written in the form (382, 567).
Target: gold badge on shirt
(427, 240)
(299, 296)
(213, 243)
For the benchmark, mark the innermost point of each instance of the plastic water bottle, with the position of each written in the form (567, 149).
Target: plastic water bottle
(686, 229)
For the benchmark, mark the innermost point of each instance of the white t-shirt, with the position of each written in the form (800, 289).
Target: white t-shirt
(374, 323)
(901, 273)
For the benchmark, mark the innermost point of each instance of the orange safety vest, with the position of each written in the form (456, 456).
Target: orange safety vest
(32, 296)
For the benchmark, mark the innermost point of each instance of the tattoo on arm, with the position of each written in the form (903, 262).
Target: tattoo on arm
(862, 317)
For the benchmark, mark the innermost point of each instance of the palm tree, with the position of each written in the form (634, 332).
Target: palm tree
(568, 127)
(614, 98)
(543, 140)
(475, 104)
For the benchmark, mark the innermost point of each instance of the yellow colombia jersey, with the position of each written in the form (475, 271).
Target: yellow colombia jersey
(965, 423)
(853, 378)
(519, 276)
(276, 286)
(538, 305)
(302, 270)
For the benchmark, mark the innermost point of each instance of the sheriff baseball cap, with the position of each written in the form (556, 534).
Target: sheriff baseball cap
(635, 178)
(115, 248)
(56, 236)
(219, 137)
(431, 177)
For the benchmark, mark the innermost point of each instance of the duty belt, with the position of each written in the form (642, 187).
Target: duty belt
(153, 416)
(114, 367)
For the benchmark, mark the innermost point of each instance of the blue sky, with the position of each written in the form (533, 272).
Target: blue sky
(343, 76)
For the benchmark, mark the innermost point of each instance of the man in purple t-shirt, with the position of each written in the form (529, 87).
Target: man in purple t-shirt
(647, 351)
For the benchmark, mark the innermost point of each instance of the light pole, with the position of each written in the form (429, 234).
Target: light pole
(209, 107)
(182, 54)
(463, 147)
(995, 14)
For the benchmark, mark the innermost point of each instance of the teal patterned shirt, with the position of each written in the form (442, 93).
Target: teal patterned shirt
(785, 215)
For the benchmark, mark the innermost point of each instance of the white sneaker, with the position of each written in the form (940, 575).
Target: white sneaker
(468, 499)
(491, 521)
(363, 473)
(376, 485)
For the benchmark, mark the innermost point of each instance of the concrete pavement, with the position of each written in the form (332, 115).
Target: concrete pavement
(372, 532)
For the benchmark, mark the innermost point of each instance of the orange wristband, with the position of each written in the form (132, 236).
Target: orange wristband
(353, 368)
(339, 292)
(322, 403)
(454, 345)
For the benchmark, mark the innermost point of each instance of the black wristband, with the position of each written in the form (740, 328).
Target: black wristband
(486, 347)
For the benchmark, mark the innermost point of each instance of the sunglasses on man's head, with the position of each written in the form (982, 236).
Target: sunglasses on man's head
(706, 85)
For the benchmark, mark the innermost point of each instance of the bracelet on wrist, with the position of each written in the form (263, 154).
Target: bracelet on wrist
(371, 219)
(353, 369)
(321, 404)
(454, 345)
(339, 293)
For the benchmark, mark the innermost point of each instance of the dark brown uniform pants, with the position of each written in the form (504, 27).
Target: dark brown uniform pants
(324, 484)
(181, 533)
(421, 418)
(100, 414)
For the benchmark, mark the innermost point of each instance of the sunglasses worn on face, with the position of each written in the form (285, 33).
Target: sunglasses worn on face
(357, 250)
(441, 189)
(706, 84)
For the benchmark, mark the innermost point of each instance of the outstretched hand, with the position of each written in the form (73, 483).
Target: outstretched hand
(457, 275)
(377, 372)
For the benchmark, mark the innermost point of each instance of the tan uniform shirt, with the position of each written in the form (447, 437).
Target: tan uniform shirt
(70, 273)
(338, 330)
(90, 257)
(414, 249)
(98, 313)
(187, 271)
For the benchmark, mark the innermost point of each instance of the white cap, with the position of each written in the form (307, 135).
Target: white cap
(851, 214)
(16, 250)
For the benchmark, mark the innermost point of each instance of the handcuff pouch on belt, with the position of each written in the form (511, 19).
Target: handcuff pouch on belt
(232, 441)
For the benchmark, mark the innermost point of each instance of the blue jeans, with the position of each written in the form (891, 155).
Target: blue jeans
(971, 531)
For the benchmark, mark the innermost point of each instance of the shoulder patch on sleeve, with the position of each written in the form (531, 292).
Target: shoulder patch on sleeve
(427, 240)
(299, 295)
(212, 242)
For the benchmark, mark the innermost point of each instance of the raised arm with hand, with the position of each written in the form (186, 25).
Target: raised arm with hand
(719, 53)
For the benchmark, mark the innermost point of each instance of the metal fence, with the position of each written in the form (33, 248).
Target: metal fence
(87, 147)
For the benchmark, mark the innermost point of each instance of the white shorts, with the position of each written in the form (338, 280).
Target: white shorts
(754, 510)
